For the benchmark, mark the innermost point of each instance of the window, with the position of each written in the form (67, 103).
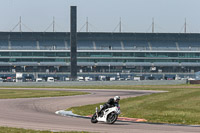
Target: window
(117, 54)
(140, 54)
(27, 53)
(16, 54)
(4, 54)
(49, 54)
(173, 54)
(106, 54)
(38, 54)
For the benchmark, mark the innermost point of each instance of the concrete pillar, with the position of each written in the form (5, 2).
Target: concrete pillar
(73, 42)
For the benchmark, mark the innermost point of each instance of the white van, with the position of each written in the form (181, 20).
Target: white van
(80, 78)
(67, 79)
(50, 79)
(112, 79)
(136, 78)
(38, 79)
(102, 78)
(88, 79)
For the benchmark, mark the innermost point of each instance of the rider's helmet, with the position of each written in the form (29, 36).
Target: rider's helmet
(117, 98)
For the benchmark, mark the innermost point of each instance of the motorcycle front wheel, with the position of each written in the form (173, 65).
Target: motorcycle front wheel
(112, 117)
(94, 118)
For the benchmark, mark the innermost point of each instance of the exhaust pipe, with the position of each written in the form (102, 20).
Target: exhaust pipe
(97, 111)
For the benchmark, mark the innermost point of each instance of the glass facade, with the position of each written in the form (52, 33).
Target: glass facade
(100, 57)
(100, 52)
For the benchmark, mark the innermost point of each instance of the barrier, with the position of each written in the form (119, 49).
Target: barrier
(93, 83)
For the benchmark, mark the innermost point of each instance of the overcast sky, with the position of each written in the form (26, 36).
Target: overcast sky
(103, 15)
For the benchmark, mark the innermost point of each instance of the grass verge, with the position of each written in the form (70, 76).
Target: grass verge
(180, 105)
(12, 94)
(20, 130)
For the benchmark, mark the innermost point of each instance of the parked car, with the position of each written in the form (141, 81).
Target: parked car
(50, 79)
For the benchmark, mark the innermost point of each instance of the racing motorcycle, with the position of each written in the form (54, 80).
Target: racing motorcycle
(108, 115)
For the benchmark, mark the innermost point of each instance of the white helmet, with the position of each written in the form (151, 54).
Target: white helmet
(117, 98)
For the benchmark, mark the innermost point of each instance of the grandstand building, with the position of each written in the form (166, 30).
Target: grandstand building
(42, 52)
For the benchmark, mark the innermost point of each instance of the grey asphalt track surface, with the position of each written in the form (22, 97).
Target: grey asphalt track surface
(39, 114)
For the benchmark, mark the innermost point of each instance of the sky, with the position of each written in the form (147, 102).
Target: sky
(103, 15)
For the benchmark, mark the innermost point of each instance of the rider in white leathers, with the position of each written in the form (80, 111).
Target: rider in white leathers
(111, 103)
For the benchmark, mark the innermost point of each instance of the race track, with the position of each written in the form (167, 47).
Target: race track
(39, 113)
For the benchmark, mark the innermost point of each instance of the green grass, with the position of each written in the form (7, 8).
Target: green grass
(12, 94)
(180, 105)
(20, 130)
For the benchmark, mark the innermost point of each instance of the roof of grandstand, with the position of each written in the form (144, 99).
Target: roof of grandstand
(100, 36)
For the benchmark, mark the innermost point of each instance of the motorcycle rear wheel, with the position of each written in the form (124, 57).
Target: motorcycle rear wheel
(112, 117)
(94, 118)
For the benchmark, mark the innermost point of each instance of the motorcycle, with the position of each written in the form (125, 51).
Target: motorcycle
(108, 115)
